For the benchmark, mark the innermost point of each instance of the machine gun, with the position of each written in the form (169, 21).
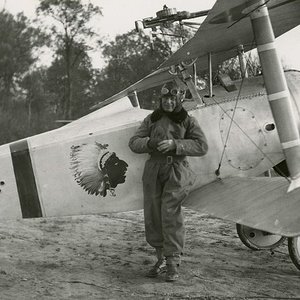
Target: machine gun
(167, 16)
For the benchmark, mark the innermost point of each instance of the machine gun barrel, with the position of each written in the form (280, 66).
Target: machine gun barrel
(171, 15)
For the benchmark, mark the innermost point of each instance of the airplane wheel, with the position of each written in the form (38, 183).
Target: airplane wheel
(294, 250)
(257, 239)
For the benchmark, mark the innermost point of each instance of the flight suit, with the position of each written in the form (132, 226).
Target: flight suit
(167, 178)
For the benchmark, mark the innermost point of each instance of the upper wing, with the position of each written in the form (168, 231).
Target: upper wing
(227, 25)
(259, 202)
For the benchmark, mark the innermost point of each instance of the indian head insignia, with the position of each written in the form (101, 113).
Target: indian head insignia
(96, 169)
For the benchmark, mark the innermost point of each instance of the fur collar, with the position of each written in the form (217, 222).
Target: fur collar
(176, 117)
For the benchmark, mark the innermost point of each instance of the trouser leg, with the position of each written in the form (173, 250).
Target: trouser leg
(173, 225)
(152, 213)
(153, 224)
(175, 191)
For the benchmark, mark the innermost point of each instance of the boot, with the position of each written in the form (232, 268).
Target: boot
(172, 268)
(160, 266)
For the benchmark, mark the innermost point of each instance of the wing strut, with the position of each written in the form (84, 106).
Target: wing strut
(210, 93)
(276, 87)
(187, 78)
(242, 60)
(134, 99)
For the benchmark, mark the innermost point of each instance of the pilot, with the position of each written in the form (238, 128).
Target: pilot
(169, 134)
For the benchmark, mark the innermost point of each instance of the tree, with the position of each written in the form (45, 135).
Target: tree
(18, 42)
(70, 35)
(232, 66)
(129, 58)
(253, 64)
(38, 102)
(83, 86)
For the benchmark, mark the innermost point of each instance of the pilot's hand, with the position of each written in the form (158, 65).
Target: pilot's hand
(166, 146)
(153, 143)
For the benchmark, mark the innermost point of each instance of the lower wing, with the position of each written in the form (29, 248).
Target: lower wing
(260, 202)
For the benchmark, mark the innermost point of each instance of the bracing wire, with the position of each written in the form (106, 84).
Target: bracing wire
(217, 172)
(251, 140)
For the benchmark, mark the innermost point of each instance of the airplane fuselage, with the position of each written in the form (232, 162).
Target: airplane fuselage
(53, 173)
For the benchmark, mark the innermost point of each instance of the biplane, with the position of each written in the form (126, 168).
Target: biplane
(252, 125)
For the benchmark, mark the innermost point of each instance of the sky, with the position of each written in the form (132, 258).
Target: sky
(119, 17)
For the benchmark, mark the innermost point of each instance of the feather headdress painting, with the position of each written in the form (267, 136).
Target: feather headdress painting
(96, 169)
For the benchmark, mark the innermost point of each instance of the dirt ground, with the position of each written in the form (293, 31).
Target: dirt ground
(105, 257)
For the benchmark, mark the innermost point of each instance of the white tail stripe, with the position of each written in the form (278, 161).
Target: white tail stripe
(290, 144)
(266, 47)
(279, 95)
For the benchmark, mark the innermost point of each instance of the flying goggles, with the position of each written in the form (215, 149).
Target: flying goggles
(173, 92)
